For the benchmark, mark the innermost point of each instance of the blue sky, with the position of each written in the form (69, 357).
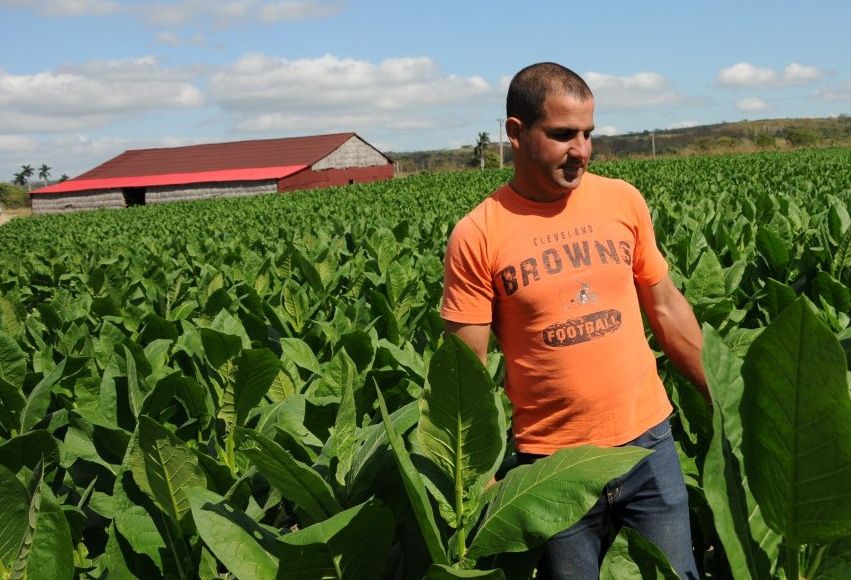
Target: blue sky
(84, 80)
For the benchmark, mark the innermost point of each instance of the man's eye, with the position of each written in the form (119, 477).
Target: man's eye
(565, 135)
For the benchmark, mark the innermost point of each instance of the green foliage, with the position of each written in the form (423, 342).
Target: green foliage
(765, 140)
(796, 428)
(633, 556)
(800, 137)
(261, 386)
(13, 195)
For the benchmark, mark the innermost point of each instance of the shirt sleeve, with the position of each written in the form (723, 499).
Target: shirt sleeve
(649, 265)
(468, 291)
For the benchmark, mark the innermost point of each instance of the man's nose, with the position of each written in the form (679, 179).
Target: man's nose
(580, 146)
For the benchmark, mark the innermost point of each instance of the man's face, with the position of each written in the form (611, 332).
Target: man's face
(552, 155)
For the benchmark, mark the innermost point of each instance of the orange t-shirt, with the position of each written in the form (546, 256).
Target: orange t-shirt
(557, 283)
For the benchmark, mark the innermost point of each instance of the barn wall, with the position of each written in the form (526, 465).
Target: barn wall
(77, 201)
(352, 153)
(309, 179)
(208, 191)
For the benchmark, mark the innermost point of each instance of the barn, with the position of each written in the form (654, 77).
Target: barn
(207, 171)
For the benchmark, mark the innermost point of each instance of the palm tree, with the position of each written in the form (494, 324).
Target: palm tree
(19, 179)
(480, 148)
(44, 173)
(27, 172)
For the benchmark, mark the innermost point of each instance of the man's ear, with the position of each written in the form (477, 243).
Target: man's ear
(513, 128)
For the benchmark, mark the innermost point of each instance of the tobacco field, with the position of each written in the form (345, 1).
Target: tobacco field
(259, 388)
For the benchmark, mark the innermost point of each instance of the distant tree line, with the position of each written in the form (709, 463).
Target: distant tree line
(741, 136)
(16, 193)
(23, 177)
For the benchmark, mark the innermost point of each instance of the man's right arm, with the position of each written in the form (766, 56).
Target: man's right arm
(476, 336)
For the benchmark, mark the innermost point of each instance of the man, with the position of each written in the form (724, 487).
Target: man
(559, 263)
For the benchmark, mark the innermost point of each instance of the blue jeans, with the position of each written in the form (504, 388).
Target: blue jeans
(650, 499)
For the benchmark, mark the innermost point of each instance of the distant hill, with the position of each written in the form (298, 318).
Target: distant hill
(741, 136)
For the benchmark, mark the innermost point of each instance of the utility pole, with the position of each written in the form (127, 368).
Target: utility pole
(500, 121)
(653, 143)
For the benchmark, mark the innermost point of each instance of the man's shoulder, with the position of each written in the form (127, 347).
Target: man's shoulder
(492, 203)
(482, 222)
(610, 183)
(617, 189)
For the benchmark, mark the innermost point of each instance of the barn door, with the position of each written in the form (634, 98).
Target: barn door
(133, 196)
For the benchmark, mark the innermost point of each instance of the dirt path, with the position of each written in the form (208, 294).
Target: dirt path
(10, 214)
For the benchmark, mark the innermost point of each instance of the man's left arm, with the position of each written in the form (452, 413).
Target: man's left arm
(675, 327)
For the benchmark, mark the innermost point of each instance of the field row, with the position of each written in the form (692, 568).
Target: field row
(249, 386)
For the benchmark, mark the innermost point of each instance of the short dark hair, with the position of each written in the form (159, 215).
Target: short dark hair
(529, 89)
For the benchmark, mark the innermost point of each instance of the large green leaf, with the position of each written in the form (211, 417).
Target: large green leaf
(774, 249)
(39, 399)
(373, 450)
(9, 322)
(135, 390)
(12, 402)
(122, 563)
(296, 305)
(706, 279)
(228, 324)
(414, 488)
(459, 428)
(13, 362)
(796, 422)
(352, 544)
(13, 513)
(294, 480)
(28, 449)
(135, 516)
(633, 557)
(255, 371)
(340, 373)
(749, 544)
(360, 345)
(300, 353)
(778, 297)
(134, 513)
(539, 500)
(230, 535)
(170, 466)
(218, 346)
(45, 550)
(345, 433)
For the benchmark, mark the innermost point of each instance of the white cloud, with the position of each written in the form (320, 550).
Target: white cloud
(744, 74)
(296, 11)
(174, 13)
(17, 143)
(171, 38)
(266, 93)
(795, 73)
(81, 96)
(180, 12)
(683, 125)
(607, 130)
(60, 8)
(644, 89)
(751, 104)
(841, 92)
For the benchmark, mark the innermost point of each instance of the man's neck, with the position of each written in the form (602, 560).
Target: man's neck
(536, 194)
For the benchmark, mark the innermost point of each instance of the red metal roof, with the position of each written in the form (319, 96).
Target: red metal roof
(239, 160)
